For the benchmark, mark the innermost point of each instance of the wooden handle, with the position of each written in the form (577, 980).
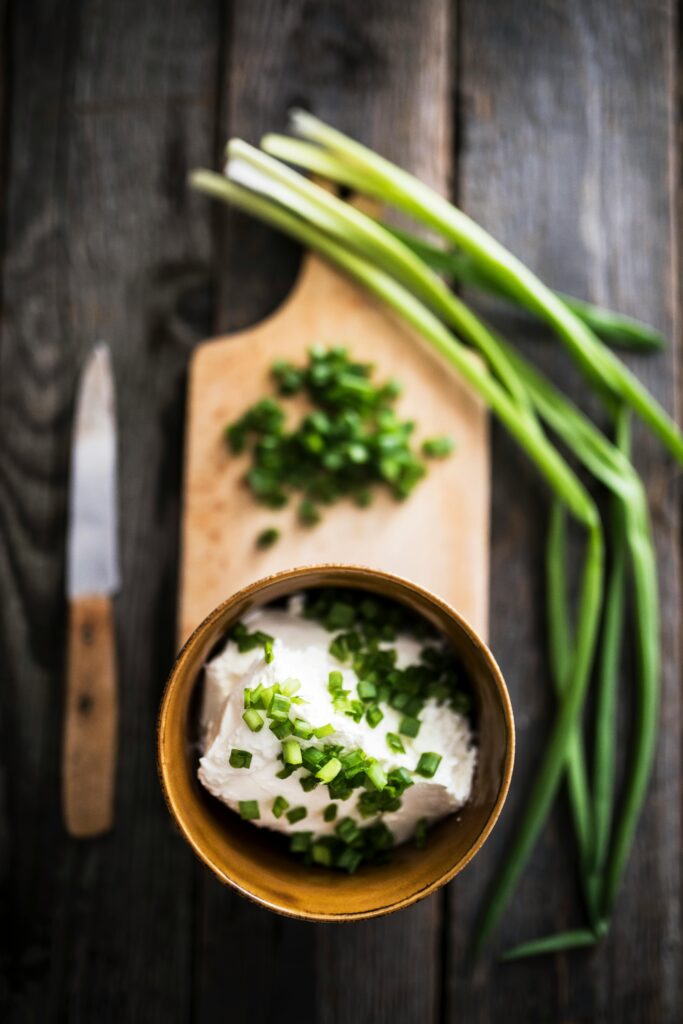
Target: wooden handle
(89, 766)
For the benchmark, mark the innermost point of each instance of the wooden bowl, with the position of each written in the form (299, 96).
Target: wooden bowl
(255, 861)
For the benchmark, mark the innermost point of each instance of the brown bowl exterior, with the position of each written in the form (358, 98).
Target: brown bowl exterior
(255, 861)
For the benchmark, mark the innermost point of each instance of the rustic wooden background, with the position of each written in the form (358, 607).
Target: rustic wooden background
(553, 123)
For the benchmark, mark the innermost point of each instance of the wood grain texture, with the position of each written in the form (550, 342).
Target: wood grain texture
(380, 69)
(110, 104)
(90, 718)
(568, 121)
(439, 538)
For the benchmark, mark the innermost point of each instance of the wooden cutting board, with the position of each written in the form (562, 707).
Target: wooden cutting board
(439, 537)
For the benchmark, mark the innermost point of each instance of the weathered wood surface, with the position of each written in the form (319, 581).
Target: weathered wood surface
(565, 138)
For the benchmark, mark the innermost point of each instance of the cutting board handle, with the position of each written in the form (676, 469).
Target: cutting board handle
(89, 757)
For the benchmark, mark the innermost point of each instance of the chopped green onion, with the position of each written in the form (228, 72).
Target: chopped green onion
(395, 743)
(267, 694)
(421, 833)
(376, 776)
(330, 812)
(249, 810)
(253, 719)
(267, 538)
(366, 690)
(308, 513)
(374, 716)
(323, 730)
(349, 859)
(438, 447)
(280, 805)
(308, 782)
(330, 770)
(409, 726)
(279, 706)
(312, 758)
(335, 682)
(302, 728)
(428, 764)
(301, 842)
(281, 729)
(291, 752)
(347, 830)
(296, 814)
(239, 758)
(321, 854)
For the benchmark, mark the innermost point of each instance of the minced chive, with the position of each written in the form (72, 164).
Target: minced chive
(395, 743)
(323, 730)
(330, 812)
(302, 728)
(291, 752)
(312, 758)
(249, 810)
(281, 729)
(308, 513)
(279, 706)
(399, 700)
(239, 758)
(438, 447)
(347, 830)
(280, 805)
(376, 776)
(409, 726)
(253, 719)
(330, 770)
(340, 616)
(254, 697)
(296, 814)
(301, 842)
(308, 782)
(321, 854)
(421, 833)
(366, 690)
(335, 682)
(374, 716)
(267, 538)
(349, 859)
(428, 764)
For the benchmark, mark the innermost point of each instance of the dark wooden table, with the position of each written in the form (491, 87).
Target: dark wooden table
(553, 123)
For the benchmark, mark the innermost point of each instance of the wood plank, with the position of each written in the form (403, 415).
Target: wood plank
(110, 106)
(347, 62)
(568, 120)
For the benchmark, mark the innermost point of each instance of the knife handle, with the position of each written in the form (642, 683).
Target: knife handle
(89, 757)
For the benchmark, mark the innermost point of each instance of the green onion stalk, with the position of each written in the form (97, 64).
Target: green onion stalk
(615, 329)
(349, 162)
(632, 539)
(398, 274)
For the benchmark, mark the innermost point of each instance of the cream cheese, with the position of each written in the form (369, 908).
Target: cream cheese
(301, 652)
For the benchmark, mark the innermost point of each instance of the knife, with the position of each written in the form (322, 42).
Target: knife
(90, 718)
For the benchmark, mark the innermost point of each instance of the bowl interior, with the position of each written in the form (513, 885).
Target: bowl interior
(255, 861)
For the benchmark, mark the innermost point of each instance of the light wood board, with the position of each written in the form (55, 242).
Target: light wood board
(439, 537)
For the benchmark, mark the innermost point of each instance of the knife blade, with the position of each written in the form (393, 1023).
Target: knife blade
(89, 755)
